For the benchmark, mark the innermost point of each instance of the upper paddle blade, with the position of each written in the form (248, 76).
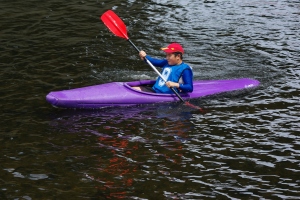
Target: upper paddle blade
(114, 24)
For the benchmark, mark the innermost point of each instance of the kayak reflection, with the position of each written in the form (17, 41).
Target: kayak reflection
(126, 139)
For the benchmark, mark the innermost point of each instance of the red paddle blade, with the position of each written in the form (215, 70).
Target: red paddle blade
(193, 106)
(114, 24)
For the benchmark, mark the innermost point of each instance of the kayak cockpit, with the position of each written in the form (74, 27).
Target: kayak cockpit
(146, 86)
(141, 86)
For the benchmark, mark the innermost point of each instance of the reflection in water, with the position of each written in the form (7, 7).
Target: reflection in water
(128, 143)
(219, 155)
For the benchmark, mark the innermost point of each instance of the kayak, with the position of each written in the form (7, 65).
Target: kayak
(122, 94)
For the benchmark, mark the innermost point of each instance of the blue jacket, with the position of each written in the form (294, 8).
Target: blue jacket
(172, 73)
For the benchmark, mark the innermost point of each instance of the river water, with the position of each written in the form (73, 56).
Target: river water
(246, 145)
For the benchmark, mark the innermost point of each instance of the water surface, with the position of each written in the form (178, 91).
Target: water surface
(245, 147)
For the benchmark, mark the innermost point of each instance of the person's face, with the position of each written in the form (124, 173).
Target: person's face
(172, 59)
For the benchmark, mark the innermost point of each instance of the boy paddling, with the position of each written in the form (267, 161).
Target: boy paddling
(178, 74)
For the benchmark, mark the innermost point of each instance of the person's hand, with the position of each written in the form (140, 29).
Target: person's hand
(142, 54)
(170, 84)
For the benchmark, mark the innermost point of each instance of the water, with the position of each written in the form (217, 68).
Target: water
(245, 147)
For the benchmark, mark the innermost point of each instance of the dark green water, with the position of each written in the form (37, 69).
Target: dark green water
(247, 145)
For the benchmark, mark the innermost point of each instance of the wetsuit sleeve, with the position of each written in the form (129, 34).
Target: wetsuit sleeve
(157, 62)
(187, 77)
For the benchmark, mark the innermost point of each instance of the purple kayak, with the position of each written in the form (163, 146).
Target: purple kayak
(122, 93)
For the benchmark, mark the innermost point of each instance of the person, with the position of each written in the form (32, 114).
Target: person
(177, 74)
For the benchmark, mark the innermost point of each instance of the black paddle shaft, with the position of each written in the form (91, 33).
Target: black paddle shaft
(133, 45)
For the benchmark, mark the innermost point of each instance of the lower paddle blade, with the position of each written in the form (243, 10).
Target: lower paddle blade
(114, 24)
(193, 106)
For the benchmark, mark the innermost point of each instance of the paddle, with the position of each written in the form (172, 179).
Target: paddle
(117, 27)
